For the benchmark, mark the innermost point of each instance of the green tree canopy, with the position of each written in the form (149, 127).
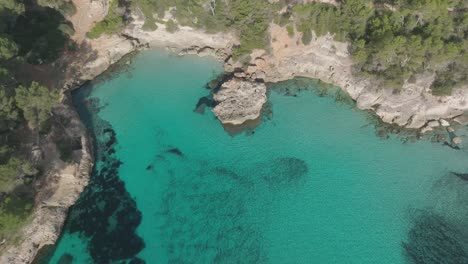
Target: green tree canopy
(8, 48)
(36, 102)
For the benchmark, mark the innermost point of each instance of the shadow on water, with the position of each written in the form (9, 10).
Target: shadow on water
(439, 234)
(105, 200)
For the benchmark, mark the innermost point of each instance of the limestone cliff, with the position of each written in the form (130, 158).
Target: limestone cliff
(412, 106)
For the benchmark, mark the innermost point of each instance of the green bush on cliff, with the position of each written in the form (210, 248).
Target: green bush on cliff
(14, 213)
(112, 23)
(171, 26)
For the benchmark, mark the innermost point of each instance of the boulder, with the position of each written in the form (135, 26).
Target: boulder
(239, 101)
(433, 123)
(444, 123)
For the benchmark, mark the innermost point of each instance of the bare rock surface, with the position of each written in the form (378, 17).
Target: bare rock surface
(328, 60)
(239, 101)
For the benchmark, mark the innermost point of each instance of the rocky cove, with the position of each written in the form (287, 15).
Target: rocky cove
(239, 100)
(413, 106)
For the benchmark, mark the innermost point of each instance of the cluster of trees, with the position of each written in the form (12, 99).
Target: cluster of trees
(28, 34)
(395, 39)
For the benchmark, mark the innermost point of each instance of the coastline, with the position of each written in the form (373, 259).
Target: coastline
(57, 191)
(323, 59)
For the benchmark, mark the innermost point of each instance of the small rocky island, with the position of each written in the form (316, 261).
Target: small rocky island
(239, 101)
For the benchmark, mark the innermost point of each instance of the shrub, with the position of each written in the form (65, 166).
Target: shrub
(171, 26)
(290, 30)
(112, 23)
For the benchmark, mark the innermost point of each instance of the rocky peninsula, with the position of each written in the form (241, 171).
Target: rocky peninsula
(238, 100)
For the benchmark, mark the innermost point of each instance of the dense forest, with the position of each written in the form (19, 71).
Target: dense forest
(30, 34)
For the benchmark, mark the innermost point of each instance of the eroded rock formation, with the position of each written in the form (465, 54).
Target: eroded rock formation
(239, 101)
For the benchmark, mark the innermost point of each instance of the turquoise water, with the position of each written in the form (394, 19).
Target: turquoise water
(313, 184)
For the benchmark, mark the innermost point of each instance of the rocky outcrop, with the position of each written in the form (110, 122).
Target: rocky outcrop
(239, 101)
(412, 106)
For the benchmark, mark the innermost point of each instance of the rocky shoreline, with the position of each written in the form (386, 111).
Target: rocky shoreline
(413, 106)
(239, 100)
(57, 190)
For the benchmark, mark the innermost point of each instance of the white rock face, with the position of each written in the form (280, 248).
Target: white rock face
(239, 101)
(183, 38)
(331, 62)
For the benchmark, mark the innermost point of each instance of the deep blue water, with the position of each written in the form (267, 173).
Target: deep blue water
(312, 184)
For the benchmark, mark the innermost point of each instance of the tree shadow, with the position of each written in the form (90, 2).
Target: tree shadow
(41, 33)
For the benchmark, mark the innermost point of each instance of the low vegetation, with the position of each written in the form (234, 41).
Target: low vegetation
(112, 23)
(248, 18)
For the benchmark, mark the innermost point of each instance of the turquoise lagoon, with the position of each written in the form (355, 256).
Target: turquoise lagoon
(312, 184)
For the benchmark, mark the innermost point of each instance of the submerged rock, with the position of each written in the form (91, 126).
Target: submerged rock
(239, 101)
(456, 140)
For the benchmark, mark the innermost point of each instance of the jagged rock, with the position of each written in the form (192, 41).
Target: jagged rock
(444, 123)
(206, 51)
(239, 101)
(258, 76)
(240, 74)
(231, 66)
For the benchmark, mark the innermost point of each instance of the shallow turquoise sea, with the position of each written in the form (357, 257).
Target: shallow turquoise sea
(312, 184)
